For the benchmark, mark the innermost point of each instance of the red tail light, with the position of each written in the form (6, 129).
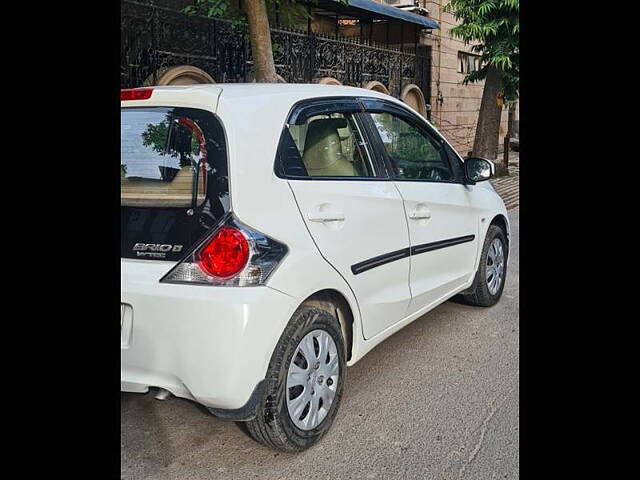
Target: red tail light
(234, 255)
(136, 94)
(226, 254)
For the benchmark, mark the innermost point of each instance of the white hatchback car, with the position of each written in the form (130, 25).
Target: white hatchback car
(273, 234)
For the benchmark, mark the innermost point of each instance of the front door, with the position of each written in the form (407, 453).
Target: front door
(443, 224)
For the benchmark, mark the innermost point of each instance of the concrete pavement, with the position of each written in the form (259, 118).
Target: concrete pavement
(508, 187)
(437, 400)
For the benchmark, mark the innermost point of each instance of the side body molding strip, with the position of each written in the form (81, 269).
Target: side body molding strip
(380, 260)
(406, 252)
(427, 247)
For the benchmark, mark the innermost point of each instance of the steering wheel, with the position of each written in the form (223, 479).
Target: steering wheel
(436, 173)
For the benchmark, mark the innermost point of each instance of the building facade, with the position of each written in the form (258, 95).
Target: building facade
(454, 106)
(400, 47)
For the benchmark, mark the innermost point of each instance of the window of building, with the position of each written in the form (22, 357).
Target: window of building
(468, 62)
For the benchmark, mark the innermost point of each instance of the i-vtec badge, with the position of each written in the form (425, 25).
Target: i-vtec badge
(155, 250)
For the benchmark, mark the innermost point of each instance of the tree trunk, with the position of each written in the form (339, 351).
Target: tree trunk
(508, 136)
(488, 128)
(511, 118)
(260, 35)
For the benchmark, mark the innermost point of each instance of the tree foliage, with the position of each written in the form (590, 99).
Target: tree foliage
(170, 138)
(495, 26)
(156, 136)
(290, 11)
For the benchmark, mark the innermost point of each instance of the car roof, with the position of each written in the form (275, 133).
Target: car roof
(233, 90)
(213, 95)
(311, 89)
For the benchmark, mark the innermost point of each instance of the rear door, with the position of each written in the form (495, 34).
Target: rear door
(354, 213)
(443, 223)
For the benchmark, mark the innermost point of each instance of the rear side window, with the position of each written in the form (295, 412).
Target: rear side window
(164, 156)
(327, 145)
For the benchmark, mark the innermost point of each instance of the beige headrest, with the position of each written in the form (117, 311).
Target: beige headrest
(323, 155)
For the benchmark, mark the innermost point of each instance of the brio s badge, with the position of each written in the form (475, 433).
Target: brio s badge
(155, 250)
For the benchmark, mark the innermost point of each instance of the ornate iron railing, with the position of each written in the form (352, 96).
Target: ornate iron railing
(154, 38)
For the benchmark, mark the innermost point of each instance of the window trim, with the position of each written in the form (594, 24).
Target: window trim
(324, 106)
(321, 105)
(377, 105)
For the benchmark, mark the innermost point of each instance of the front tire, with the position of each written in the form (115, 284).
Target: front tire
(488, 283)
(304, 382)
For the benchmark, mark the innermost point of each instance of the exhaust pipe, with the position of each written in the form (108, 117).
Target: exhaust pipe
(162, 394)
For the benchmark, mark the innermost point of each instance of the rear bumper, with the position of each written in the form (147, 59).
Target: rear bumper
(208, 344)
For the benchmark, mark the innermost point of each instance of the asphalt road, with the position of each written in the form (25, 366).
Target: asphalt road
(437, 400)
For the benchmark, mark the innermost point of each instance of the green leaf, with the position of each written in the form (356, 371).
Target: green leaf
(493, 27)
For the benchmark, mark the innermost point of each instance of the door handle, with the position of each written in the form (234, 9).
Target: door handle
(323, 217)
(420, 214)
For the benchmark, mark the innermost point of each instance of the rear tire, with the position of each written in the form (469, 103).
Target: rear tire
(273, 425)
(480, 294)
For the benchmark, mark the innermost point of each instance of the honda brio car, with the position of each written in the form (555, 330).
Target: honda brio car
(273, 234)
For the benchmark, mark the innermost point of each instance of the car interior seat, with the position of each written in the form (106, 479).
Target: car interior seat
(323, 155)
(143, 192)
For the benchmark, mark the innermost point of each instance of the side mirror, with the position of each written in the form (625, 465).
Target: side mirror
(478, 169)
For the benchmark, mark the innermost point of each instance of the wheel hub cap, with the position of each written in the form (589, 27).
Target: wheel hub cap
(495, 266)
(312, 380)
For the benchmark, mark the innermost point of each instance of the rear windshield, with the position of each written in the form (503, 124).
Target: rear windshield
(173, 179)
(163, 157)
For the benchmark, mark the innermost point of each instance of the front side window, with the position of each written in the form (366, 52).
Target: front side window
(413, 154)
(327, 145)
